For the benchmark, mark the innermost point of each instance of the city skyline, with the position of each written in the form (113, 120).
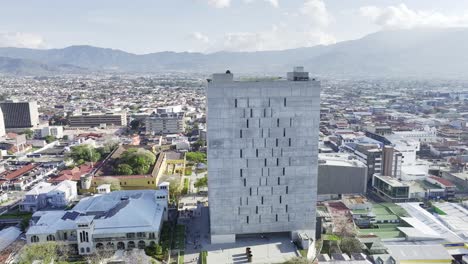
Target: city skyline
(265, 24)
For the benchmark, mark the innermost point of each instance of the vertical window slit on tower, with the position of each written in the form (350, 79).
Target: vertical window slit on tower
(241, 172)
(287, 189)
(284, 171)
(240, 153)
(280, 199)
(265, 162)
(277, 122)
(240, 201)
(286, 208)
(256, 153)
(276, 217)
(250, 191)
(285, 101)
(241, 133)
(235, 103)
(256, 209)
(277, 161)
(251, 112)
(290, 122)
(245, 182)
(279, 180)
(289, 142)
(247, 123)
(277, 142)
(247, 219)
(262, 199)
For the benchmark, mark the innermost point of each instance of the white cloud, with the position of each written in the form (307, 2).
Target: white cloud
(310, 22)
(21, 40)
(274, 3)
(277, 38)
(402, 17)
(317, 12)
(200, 37)
(227, 3)
(219, 3)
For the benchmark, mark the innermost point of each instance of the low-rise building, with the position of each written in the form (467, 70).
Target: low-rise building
(112, 221)
(390, 189)
(45, 195)
(340, 174)
(55, 131)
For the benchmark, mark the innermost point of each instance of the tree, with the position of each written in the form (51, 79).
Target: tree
(350, 245)
(99, 256)
(50, 139)
(202, 182)
(29, 133)
(124, 169)
(135, 124)
(139, 160)
(198, 157)
(84, 153)
(175, 189)
(198, 144)
(47, 252)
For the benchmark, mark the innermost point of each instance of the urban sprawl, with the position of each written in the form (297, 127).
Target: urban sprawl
(226, 168)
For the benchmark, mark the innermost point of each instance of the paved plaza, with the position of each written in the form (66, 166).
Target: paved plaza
(272, 249)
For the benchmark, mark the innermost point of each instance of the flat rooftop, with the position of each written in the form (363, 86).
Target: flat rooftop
(272, 249)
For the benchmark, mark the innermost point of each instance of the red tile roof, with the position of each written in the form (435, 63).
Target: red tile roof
(73, 174)
(443, 181)
(21, 171)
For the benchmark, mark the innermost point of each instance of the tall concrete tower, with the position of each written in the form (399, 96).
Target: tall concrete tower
(262, 155)
(2, 124)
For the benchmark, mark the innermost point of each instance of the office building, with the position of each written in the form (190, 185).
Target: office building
(20, 114)
(262, 155)
(392, 160)
(165, 123)
(98, 119)
(2, 124)
(371, 156)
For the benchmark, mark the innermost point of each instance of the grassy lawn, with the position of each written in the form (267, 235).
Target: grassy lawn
(331, 237)
(16, 214)
(204, 255)
(303, 252)
(186, 187)
(188, 171)
(181, 257)
(179, 242)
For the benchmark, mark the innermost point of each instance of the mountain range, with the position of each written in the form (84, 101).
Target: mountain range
(434, 53)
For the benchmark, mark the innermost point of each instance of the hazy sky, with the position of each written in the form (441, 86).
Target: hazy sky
(143, 26)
